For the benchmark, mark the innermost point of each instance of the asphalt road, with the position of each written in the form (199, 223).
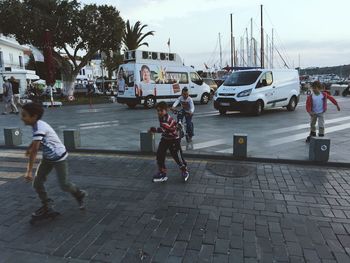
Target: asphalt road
(276, 134)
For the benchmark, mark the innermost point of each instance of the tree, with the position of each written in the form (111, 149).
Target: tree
(133, 37)
(79, 31)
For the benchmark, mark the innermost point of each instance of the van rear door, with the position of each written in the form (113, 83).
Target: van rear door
(126, 80)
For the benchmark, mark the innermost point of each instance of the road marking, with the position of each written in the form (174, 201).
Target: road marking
(306, 125)
(97, 123)
(207, 144)
(99, 126)
(230, 150)
(90, 111)
(300, 136)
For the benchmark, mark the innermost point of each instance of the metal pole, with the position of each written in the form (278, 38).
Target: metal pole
(247, 47)
(251, 43)
(232, 41)
(220, 51)
(272, 47)
(267, 50)
(262, 53)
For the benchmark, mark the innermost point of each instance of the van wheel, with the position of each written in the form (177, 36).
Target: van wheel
(131, 105)
(205, 98)
(222, 111)
(259, 107)
(292, 104)
(150, 102)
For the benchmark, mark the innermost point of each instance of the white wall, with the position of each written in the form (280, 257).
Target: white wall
(10, 57)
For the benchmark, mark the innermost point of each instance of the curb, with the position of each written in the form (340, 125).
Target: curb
(203, 156)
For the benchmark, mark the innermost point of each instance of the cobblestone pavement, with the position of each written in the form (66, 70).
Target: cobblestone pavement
(227, 212)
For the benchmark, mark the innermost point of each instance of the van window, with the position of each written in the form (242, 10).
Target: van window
(266, 80)
(177, 77)
(127, 75)
(242, 78)
(195, 77)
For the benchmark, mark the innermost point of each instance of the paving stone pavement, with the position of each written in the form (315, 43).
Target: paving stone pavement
(277, 213)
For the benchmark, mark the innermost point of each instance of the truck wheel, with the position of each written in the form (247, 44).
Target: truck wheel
(292, 104)
(150, 102)
(205, 98)
(222, 111)
(131, 105)
(259, 107)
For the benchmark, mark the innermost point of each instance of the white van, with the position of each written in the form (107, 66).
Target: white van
(149, 77)
(257, 89)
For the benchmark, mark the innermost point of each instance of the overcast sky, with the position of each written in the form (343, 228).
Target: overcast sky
(318, 30)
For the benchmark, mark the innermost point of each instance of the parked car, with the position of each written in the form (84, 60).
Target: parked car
(212, 84)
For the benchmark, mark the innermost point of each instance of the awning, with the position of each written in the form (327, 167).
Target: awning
(32, 76)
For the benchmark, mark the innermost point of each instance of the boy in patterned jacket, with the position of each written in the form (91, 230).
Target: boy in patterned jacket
(170, 141)
(54, 157)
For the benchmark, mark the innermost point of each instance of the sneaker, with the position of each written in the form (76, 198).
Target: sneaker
(184, 173)
(44, 209)
(80, 199)
(160, 177)
(321, 135)
(308, 139)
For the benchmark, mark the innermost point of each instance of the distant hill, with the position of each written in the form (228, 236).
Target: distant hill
(342, 71)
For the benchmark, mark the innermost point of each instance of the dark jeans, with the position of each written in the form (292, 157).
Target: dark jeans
(174, 147)
(45, 167)
(189, 123)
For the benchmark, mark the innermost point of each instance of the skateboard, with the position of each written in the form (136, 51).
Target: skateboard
(47, 215)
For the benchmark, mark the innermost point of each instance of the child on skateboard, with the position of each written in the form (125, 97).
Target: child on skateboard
(54, 157)
(170, 141)
(316, 106)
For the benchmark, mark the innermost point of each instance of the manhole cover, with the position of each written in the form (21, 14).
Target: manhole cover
(231, 170)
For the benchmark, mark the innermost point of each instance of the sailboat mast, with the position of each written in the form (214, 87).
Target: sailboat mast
(220, 51)
(262, 53)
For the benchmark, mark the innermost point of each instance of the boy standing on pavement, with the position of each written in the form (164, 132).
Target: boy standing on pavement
(316, 106)
(187, 111)
(54, 157)
(170, 140)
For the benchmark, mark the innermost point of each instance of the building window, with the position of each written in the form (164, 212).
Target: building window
(1, 60)
(20, 61)
(11, 58)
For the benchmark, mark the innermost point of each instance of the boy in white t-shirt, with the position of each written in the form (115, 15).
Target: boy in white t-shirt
(186, 112)
(54, 157)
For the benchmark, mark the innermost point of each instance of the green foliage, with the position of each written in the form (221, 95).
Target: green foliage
(76, 29)
(134, 37)
(342, 71)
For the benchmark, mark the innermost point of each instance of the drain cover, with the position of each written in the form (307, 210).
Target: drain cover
(231, 170)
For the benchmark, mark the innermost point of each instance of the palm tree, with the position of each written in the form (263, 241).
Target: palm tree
(133, 36)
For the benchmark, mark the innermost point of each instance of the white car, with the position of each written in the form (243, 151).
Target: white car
(257, 89)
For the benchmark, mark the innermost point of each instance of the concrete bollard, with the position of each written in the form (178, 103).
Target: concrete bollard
(13, 136)
(240, 145)
(147, 142)
(319, 149)
(71, 139)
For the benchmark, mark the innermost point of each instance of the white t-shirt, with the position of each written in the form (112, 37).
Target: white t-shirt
(317, 103)
(53, 148)
(187, 104)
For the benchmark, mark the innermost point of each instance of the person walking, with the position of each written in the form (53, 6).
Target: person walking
(16, 96)
(8, 97)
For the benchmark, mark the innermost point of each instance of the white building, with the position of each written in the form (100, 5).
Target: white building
(12, 63)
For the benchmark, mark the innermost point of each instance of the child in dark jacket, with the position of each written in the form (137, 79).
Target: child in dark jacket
(170, 140)
(316, 106)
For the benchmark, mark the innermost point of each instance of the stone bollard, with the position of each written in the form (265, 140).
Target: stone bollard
(240, 145)
(13, 136)
(71, 139)
(319, 149)
(147, 142)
